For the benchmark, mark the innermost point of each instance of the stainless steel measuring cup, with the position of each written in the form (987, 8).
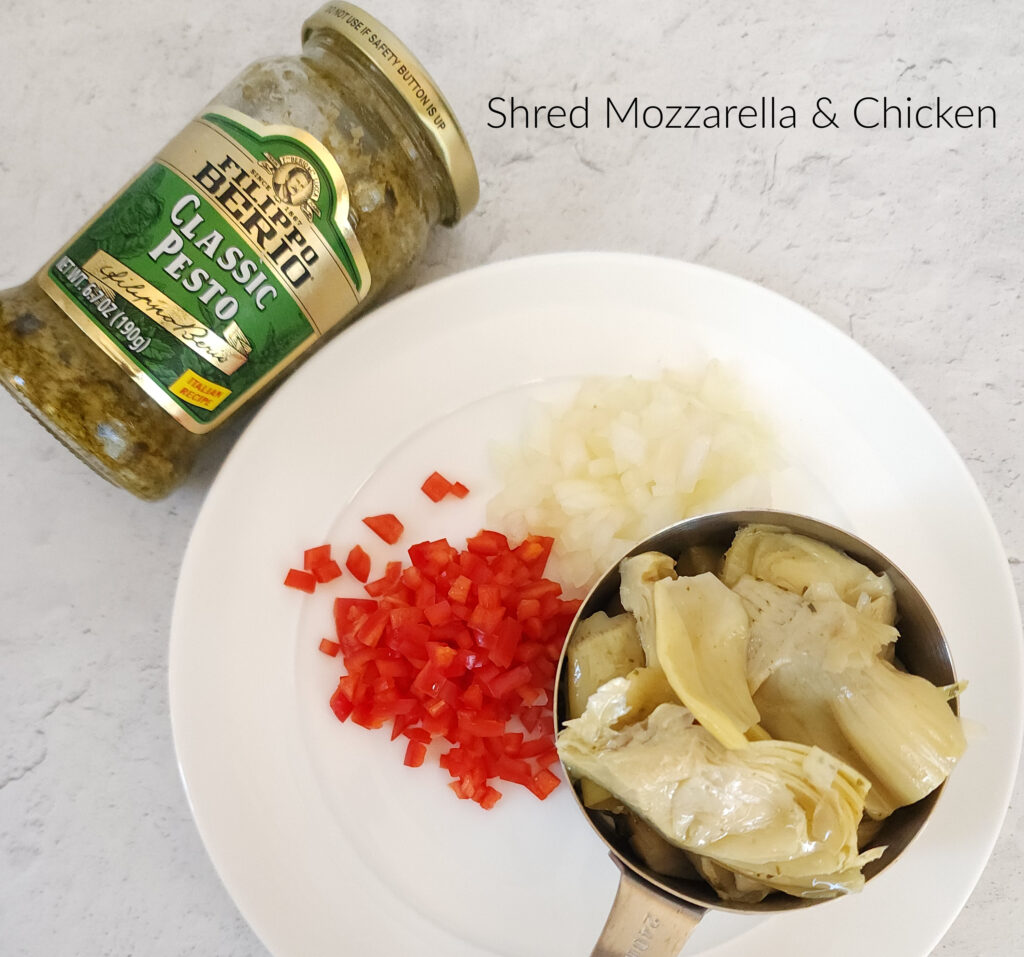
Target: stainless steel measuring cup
(653, 915)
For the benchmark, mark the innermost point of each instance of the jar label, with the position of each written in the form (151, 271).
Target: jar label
(217, 266)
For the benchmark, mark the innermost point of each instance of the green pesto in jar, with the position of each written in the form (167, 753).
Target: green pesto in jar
(294, 201)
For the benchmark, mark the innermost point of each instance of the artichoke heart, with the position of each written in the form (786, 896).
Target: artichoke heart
(780, 812)
(701, 632)
(823, 634)
(819, 677)
(902, 727)
(795, 563)
(601, 648)
(749, 722)
(637, 576)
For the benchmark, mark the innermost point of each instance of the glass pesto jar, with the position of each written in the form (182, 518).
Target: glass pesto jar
(271, 221)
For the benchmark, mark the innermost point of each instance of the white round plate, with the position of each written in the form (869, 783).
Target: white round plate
(327, 843)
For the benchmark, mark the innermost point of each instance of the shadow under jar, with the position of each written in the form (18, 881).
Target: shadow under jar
(289, 205)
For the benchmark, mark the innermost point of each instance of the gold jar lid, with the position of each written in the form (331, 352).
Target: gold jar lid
(409, 77)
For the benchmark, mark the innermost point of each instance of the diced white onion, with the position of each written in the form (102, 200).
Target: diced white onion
(626, 457)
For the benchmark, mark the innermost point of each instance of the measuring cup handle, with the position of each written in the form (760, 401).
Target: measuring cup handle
(644, 921)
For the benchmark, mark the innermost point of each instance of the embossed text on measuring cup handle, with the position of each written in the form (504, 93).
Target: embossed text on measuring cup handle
(644, 922)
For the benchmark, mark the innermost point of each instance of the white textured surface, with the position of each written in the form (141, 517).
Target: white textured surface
(908, 242)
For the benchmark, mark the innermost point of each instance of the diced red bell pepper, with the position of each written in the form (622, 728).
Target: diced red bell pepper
(394, 668)
(302, 580)
(428, 682)
(417, 734)
(485, 620)
(476, 568)
(347, 611)
(547, 758)
(358, 562)
(405, 615)
(459, 590)
(481, 727)
(533, 747)
(436, 487)
(441, 655)
(371, 630)
(532, 696)
(340, 704)
(503, 651)
(487, 543)
(400, 723)
(507, 681)
(514, 770)
(312, 557)
(534, 551)
(412, 577)
(458, 645)
(489, 596)
(415, 752)
(489, 798)
(329, 647)
(544, 782)
(530, 718)
(387, 582)
(385, 526)
(527, 608)
(439, 613)
(473, 696)
(540, 589)
(326, 571)
(512, 742)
